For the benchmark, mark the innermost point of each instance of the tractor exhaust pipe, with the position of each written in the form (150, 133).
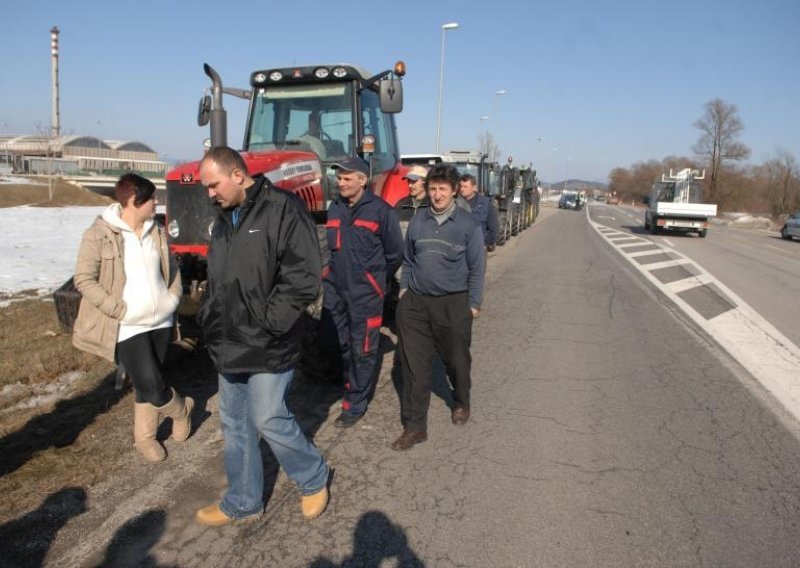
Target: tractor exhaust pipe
(219, 117)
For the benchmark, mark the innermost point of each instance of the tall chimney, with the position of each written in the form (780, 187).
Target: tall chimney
(55, 119)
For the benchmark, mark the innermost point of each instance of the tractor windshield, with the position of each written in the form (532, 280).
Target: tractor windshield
(309, 117)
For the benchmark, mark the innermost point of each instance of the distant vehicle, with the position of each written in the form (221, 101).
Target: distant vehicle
(568, 201)
(676, 203)
(792, 227)
(612, 198)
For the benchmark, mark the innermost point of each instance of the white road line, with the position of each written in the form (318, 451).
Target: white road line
(644, 253)
(688, 283)
(667, 242)
(768, 355)
(665, 264)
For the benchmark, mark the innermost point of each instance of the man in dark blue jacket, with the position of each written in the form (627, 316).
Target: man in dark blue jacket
(366, 248)
(441, 289)
(264, 268)
(482, 209)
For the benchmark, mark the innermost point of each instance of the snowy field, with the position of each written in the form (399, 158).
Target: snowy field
(39, 245)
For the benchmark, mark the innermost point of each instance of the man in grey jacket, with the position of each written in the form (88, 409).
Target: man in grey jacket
(441, 289)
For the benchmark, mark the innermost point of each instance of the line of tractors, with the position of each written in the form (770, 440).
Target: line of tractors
(303, 119)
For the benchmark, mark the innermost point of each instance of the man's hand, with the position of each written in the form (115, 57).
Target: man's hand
(475, 313)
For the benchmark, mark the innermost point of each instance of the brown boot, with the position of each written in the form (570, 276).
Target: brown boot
(145, 424)
(180, 410)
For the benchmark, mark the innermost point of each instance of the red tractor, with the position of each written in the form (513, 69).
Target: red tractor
(300, 121)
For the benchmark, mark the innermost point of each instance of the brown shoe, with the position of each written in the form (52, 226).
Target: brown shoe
(314, 505)
(213, 516)
(408, 439)
(460, 415)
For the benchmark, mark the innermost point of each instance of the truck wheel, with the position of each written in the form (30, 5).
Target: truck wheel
(646, 224)
(653, 228)
(702, 233)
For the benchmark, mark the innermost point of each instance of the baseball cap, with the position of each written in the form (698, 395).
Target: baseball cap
(415, 173)
(352, 165)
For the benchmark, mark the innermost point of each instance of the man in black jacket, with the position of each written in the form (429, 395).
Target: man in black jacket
(264, 268)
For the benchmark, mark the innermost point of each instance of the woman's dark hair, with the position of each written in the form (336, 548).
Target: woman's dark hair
(443, 173)
(134, 184)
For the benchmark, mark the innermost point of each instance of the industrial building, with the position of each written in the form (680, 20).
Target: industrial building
(77, 154)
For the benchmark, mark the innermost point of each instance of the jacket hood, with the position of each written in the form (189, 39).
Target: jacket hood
(112, 216)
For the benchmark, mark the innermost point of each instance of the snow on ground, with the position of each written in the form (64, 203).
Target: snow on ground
(39, 245)
(40, 394)
(15, 180)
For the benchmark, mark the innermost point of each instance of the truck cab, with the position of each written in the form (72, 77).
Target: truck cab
(301, 121)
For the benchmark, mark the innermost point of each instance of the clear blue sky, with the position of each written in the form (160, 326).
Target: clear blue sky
(606, 83)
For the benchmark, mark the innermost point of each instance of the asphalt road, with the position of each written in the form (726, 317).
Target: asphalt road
(607, 430)
(758, 265)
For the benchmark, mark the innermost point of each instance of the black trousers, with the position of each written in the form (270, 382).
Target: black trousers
(427, 325)
(142, 357)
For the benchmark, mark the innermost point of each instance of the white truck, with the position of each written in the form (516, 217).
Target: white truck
(676, 203)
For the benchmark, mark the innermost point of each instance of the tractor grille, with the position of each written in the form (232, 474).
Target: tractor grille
(189, 210)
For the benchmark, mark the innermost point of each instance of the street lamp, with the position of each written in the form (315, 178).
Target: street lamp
(445, 27)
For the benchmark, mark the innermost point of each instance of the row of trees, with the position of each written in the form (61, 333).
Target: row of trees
(770, 188)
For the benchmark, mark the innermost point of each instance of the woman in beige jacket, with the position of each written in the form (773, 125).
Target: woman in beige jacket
(130, 289)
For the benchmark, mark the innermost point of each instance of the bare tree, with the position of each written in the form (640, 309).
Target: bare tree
(782, 178)
(488, 145)
(719, 142)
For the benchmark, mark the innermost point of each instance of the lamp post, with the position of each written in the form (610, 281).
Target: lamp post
(445, 27)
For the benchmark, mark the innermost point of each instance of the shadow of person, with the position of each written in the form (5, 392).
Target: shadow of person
(440, 383)
(376, 539)
(58, 428)
(131, 544)
(25, 541)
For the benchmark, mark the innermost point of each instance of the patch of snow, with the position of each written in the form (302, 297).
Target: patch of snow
(39, 246)
(16, 180)
(40, 394)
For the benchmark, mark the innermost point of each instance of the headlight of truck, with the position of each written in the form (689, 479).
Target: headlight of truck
(173, 229)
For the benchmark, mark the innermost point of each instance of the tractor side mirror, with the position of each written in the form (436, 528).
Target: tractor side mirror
(204, 110)
(391, 95)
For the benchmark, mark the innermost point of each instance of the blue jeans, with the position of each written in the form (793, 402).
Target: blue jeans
(255, 405)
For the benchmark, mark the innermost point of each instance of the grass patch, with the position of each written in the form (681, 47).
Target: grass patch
(32, 348)
(66, 194)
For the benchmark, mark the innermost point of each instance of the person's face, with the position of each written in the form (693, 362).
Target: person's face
(416, 187)
(441, 194)
(147, 210)
(143, 211)
(351, 185)
(227, 189)
(467, 189)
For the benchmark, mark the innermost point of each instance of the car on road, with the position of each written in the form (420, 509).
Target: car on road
(568, 201)
(791, 228)
(612, 199)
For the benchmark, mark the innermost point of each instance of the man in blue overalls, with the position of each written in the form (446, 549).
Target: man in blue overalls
(366, 248)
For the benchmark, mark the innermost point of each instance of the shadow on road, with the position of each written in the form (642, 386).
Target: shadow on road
(376, 539)
(131, 544)
(24, 542)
